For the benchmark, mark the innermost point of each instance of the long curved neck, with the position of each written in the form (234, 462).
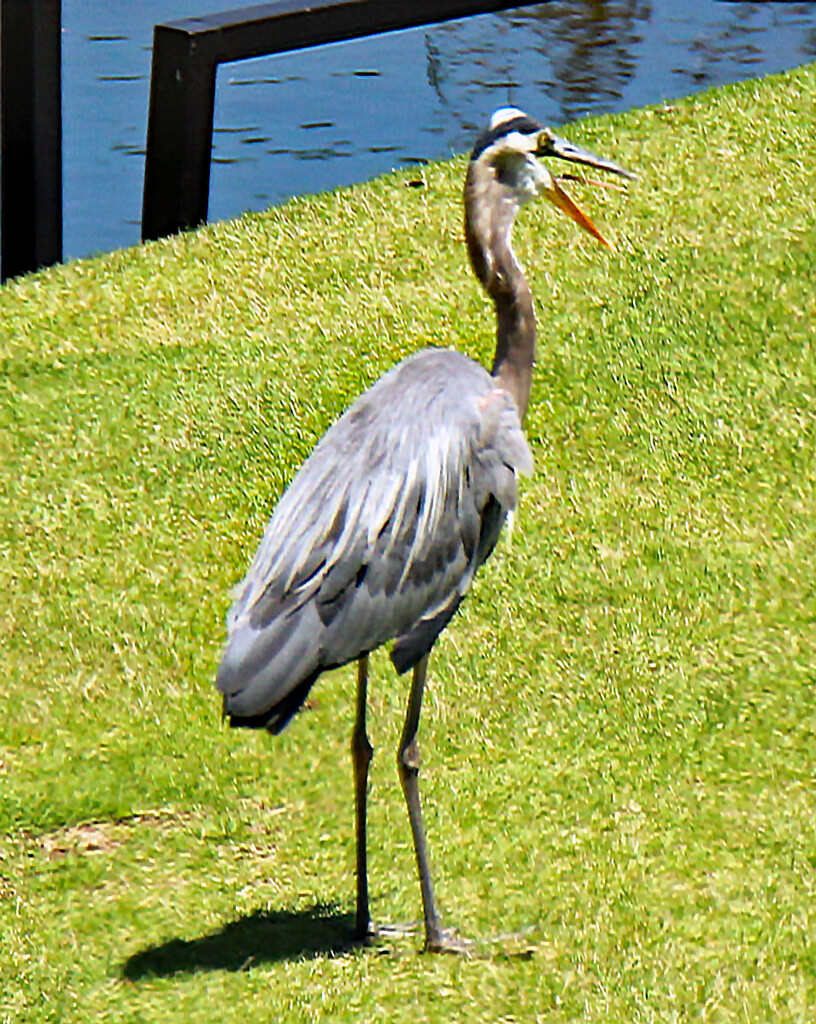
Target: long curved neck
(489, 214)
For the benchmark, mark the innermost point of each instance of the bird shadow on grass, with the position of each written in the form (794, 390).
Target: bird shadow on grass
(265, 936)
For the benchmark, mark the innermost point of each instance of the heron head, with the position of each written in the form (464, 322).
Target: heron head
(512, 147)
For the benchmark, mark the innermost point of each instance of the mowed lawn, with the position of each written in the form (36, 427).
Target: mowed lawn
(619, 737)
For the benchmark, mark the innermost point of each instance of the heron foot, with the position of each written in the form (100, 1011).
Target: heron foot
(374, 933)
(448, 941)
(443, 941)
(391, 931)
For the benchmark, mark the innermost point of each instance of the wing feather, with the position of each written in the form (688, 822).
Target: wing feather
(380, 532)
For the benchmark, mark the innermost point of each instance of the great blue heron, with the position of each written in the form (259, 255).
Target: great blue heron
(381, 531)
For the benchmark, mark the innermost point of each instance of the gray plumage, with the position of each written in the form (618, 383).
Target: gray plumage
(379, 534)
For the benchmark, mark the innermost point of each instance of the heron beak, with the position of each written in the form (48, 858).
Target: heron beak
(559, 198)
(551, 145)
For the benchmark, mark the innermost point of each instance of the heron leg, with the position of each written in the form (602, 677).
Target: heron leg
(361, 753)
(408, 760)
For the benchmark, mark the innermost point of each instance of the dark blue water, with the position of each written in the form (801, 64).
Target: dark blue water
(317, 119)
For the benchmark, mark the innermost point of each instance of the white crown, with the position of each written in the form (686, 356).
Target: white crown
(505, 114)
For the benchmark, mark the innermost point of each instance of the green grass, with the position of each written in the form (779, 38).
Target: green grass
(620, 731)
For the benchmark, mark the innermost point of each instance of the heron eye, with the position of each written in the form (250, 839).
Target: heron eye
(544, 141)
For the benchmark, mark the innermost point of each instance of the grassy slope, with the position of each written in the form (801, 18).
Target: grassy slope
(620, 732)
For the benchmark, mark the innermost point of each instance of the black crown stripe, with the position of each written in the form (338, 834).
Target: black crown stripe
(523, 123)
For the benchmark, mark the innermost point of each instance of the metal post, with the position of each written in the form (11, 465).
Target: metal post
(30, 136)
(179, 133)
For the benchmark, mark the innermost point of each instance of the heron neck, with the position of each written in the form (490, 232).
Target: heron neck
(489, 216)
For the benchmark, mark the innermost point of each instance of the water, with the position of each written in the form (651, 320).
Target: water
(316, 119)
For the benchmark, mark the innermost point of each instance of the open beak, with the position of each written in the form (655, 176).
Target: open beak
(551, 145)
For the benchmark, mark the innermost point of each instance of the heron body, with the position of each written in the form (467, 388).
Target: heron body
(378, 536)
(380, 533)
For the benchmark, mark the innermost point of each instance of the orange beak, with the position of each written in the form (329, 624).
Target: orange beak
(558, 197)
(551, 145)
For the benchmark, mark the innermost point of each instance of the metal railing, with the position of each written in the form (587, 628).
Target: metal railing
(186, 55)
